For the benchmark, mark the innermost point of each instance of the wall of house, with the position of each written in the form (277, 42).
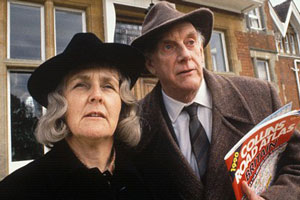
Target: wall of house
(287, 84)
(287, 81)
(253, 44)
(248, 39)
(243, 53)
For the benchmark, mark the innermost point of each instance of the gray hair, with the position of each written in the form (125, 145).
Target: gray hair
(52, 127)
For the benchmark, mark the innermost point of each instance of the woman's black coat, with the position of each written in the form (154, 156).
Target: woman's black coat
(60, 175)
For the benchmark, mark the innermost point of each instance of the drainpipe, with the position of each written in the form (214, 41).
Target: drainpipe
(296, 70)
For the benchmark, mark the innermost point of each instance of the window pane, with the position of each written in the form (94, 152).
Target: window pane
(217, 52)
(262, 70)
(286, 44)
(252, 12)
(255, 19)
(280, 45)
(24, 116)
(126, 32)
(293, 45)
(25, 32)
(67, 24)
(254, 23)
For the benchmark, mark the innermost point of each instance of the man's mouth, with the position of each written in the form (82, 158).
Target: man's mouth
(185, 71)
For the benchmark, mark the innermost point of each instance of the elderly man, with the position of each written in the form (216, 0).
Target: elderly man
(180, 157)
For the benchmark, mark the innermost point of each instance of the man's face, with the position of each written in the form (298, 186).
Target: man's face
(178, 61)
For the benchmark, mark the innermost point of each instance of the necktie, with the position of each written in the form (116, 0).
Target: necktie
(198, 137)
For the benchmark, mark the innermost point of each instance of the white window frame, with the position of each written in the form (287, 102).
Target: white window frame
(83, 18)
(293, 44)
(287, 44)
(14, 165)
(298, 42)
(280, 45)
(266, 62)
(255, 15)
(42, 26)
(223, 42)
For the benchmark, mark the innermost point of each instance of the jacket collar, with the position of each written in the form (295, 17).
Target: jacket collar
(223, 91)
(66, 158)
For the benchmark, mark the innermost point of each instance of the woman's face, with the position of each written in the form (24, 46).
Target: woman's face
(94, 103)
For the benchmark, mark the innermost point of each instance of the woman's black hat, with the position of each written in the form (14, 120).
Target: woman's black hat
(84, 49)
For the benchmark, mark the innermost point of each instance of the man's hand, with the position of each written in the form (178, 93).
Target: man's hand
(250, 193)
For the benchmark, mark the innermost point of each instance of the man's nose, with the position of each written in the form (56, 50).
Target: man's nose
(184, 54)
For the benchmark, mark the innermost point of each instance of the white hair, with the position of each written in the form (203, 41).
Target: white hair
(52, 126)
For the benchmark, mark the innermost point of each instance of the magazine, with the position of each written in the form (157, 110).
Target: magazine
(254, 158)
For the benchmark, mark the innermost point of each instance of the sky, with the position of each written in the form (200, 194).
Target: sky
(276, 2)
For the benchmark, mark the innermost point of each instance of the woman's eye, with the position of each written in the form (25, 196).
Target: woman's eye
(80, 85)
(109, 86)
(168, 47)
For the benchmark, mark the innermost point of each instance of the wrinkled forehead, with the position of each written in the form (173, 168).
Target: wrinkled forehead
(167, 33)
(182, 28)
(93, 70)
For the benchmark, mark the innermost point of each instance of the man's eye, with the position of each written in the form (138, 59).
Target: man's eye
(191, 42)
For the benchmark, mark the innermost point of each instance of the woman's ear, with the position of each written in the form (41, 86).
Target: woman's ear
(150, 67)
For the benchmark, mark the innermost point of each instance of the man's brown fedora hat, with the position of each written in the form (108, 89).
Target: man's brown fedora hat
(84, 49)
(163, 15)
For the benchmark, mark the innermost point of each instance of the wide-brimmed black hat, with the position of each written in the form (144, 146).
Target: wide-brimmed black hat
(84, 49)
(163, 15)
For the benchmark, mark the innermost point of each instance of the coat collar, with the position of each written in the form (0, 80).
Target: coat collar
(227, 99)
(67, 161)
(232, 118)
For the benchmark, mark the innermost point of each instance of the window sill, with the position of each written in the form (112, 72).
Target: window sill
(288, 55)
(229, 73)
(257, 30)
(22, 63)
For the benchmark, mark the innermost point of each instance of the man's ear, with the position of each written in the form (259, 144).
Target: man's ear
(150, 67)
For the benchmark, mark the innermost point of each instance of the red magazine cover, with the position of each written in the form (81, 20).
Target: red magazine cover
(255, 156)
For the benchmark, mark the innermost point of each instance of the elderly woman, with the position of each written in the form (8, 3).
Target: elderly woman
(90, 121)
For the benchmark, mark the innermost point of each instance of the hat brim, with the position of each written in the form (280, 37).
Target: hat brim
(45, 79)
(201, 19)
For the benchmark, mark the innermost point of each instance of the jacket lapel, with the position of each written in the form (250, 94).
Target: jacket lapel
(232, 118)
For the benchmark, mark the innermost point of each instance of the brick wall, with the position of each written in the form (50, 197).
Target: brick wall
(243, 53)
(287, 81)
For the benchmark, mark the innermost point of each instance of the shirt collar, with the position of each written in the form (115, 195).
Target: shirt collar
(174, 107)
(203, 96)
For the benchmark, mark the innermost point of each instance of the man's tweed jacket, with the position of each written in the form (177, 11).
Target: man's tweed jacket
(238, 104)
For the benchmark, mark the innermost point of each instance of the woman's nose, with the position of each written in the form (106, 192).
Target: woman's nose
(95, 95)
